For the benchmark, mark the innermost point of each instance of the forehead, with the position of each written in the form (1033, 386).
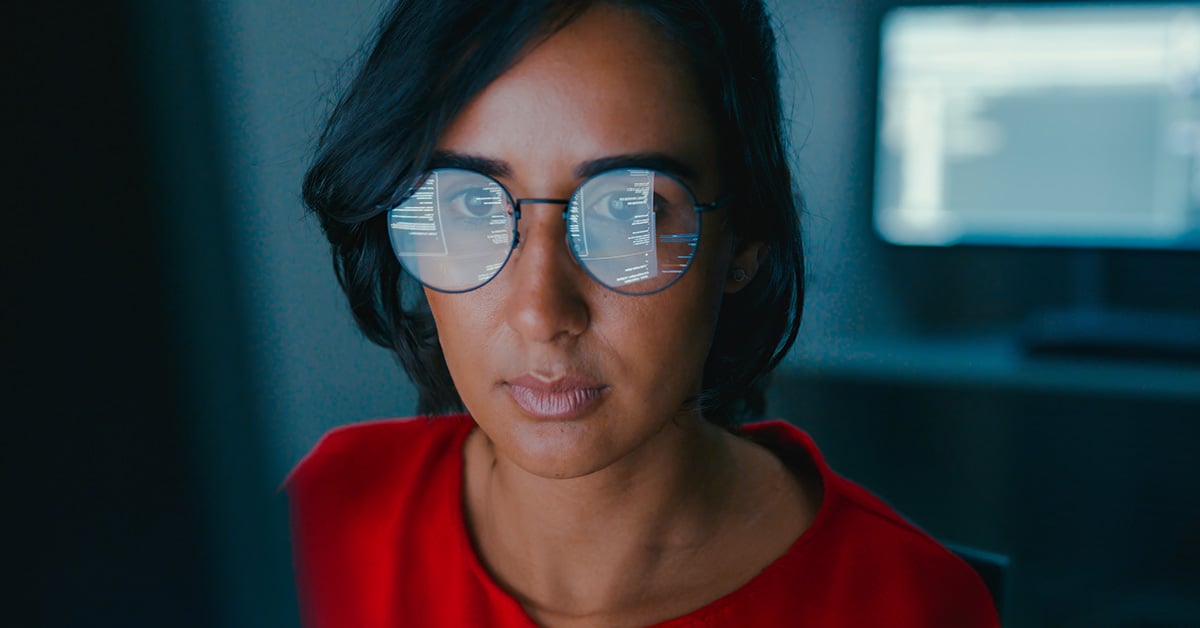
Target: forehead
(608, 83)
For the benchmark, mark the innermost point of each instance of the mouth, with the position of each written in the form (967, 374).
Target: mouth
(559, 399)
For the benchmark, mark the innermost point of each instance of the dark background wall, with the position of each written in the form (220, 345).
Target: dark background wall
(140, 493)
(108, 510)
(175, 339)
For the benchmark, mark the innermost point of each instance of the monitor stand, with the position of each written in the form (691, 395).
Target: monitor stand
(1092, 329)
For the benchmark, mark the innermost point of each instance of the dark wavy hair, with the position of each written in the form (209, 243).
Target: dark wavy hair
(429, 58)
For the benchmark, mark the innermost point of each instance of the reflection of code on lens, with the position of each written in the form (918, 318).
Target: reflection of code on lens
(415, 224)
(641, 234)
(642, 190)
(575, 228)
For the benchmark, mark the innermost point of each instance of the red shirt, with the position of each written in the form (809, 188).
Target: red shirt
(379, 539)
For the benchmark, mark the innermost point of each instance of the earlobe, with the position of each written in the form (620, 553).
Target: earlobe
(744, 266)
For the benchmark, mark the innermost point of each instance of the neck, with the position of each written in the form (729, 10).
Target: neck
(588, 542)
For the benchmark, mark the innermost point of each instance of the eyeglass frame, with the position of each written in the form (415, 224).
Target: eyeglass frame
(699, 208)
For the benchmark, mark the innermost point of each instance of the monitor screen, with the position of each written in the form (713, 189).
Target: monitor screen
(1040, 125)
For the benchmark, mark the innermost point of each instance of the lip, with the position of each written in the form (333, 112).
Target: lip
(559, 399)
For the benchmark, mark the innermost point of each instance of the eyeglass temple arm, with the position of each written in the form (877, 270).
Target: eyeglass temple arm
(715, 205)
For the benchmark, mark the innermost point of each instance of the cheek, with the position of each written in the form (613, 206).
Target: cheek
(697, 307)
(664, 339)
(465, 326)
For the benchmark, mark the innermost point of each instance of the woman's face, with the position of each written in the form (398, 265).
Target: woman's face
(563, 375)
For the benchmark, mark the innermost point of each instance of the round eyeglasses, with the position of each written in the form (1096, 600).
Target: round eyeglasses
(633, 230)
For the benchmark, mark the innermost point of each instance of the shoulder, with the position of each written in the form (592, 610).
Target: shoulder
(873, 558)
(354, 454)
(362, 498)
(351, 464)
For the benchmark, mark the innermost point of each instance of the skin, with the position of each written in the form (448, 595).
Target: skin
(637, 510)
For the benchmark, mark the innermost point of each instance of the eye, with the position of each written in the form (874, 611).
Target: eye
(475, 202)
(620, 205)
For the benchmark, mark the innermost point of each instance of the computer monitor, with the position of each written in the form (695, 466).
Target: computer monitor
(1071, 125)
(1064, 125)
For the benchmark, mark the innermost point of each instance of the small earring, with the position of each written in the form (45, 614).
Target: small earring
(738, 275)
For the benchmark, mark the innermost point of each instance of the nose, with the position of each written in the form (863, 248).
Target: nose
(546, 300)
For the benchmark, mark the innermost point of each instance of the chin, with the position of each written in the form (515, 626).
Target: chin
(557, 450)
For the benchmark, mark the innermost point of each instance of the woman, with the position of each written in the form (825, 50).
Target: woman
(592, 208)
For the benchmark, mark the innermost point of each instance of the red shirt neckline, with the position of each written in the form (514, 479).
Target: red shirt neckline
(781, 430)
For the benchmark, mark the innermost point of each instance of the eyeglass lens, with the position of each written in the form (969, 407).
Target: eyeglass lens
(633, 230)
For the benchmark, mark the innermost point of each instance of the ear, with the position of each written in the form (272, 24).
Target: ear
(744, 265)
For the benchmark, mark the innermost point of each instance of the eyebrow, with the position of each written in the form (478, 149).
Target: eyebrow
(498, 168)
(462, 161)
